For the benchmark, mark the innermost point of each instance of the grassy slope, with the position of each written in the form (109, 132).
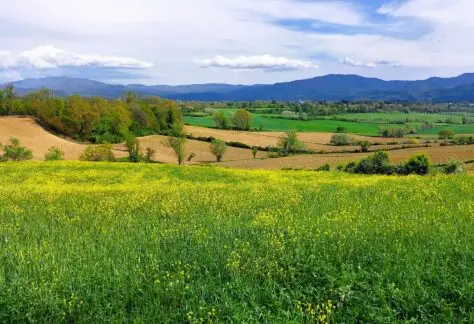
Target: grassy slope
(152, 243)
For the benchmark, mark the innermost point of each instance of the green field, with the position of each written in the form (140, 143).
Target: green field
(363, 124)
(94, 243)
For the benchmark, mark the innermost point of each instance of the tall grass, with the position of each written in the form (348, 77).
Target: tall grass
(92, 243)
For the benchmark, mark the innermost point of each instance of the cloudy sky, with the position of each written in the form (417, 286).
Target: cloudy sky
(234, 41)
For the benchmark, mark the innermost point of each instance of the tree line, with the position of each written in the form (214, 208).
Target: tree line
(96, 119)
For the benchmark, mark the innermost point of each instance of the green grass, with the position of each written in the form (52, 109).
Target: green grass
(366, 124)
(95, 243)
(273, 124)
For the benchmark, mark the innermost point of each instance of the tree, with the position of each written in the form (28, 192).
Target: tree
(290, 144)
(222, 122)
(178, 145)
(133, 147)
(365, 146)
(254, 152)
(242, 119)
(149, 155)
(54, 154)
(341, 129)
(446, 134)
(98, 153)
(15, 152)
(218, 148)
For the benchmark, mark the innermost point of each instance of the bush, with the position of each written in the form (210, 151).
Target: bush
(341, 129)
(325, 167)
(290, 144)
(98, 153)
(54, 154)
(15, 152)
(453, 167)
(149, 155)
(419, 164)
(218, 148)
(133, 148)
(191, 156)
(254, 152)
(341, 140)
(379, 163)
(365, 146)
(446, 134)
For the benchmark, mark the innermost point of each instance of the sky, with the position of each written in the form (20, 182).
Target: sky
(234, 41)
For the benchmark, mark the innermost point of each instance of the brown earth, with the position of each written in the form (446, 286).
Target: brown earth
(313, 141)
(438, 154)
(36, 138)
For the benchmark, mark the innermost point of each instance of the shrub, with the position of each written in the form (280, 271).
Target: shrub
(446, 134)
(15, 152)
(290, 144)
(453, 167)
(218, 148)
(419, 164)
(341, 129)
(341, 140)
(54, 154)
(149, 155)
(378, 163)
(325, 167)
(98, 153)
(191, 156)
(365, 146)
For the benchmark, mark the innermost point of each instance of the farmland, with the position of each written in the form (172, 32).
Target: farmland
(84, 242)
(360, 123)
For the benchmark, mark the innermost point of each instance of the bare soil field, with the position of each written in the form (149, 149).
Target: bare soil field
(438, 154)
(313, 141)
(36, 138)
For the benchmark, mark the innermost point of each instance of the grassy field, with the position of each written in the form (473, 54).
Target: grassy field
(366, 124)
(321, 125)
(93, 243)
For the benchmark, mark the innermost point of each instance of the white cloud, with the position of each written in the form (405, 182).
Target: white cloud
(265, 62)
(50, 57)
(353, 63)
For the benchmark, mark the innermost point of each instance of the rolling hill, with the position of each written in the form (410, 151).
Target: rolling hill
(330, 87)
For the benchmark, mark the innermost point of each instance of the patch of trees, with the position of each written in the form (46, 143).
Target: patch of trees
(96, 119)
(240, 120)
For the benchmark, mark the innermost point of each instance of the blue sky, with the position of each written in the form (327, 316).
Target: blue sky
(234, 41)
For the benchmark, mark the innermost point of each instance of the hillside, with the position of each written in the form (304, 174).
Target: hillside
(328, 87)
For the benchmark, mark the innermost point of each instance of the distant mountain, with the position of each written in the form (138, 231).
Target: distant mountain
(332, 87)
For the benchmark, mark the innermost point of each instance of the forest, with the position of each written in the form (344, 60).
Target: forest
(94, 119)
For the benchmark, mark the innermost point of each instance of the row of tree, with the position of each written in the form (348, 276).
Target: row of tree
(94, 119)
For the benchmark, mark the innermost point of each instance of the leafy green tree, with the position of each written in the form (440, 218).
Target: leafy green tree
(254, 152)
(178, 145)
(290, 144)
(242, 119)
(221, 120)
(133, 148)
(218, 148)
(54, 154)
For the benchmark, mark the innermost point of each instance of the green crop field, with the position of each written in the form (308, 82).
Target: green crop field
(320, 125)
(363, 123)
(95, 243)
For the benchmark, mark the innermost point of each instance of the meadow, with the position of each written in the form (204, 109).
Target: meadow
(368, 124)
(92, 243)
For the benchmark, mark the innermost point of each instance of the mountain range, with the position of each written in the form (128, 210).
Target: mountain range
(333, 87)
